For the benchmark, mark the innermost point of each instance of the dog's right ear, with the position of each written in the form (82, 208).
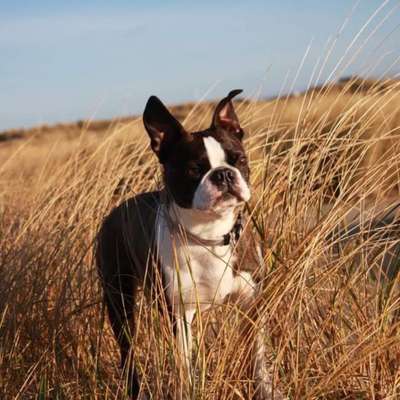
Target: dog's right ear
(164, 129)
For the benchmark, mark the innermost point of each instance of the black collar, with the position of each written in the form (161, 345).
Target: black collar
(230, 238)
(233, 236)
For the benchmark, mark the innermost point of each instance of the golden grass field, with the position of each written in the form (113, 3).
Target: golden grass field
(318, 160)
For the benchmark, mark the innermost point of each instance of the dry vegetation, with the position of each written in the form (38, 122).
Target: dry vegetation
(318, 161)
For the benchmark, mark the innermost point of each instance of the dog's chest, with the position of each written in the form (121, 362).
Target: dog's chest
(196, 275)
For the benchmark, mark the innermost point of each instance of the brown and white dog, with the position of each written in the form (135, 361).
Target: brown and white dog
(187, 233)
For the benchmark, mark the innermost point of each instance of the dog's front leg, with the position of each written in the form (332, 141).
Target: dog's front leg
(184, 342)
(245, 291)
(265, 388)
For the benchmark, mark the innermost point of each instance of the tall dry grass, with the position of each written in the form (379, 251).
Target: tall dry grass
(325, 174)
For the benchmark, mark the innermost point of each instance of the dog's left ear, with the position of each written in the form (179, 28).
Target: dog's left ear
(225, 116)
(163, 128)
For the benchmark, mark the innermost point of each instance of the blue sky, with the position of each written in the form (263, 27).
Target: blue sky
(69, 60)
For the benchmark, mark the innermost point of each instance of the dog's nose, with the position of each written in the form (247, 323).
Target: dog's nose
(223, 176)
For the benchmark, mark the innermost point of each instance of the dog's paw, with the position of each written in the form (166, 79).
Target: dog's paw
(143, 396)
(267, 391)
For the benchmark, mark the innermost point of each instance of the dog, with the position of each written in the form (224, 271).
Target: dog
(188, 233)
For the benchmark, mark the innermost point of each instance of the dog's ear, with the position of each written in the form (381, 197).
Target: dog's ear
(164, 130)
(225, 116)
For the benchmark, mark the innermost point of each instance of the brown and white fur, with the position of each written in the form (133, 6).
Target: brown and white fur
(178, 232)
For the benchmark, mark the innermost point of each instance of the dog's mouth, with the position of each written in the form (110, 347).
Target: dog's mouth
(210, 196)
(231, 193)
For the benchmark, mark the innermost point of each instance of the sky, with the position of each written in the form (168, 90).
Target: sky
(67, 60)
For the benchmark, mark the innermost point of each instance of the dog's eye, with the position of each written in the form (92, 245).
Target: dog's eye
(194, 171)
(237, 159)
(241, 160)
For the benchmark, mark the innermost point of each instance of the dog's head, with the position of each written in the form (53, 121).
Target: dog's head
(206, 170)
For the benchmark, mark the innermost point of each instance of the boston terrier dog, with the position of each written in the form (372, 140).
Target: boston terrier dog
(186, 236)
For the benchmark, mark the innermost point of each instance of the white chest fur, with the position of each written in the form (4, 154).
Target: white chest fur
(196, 276)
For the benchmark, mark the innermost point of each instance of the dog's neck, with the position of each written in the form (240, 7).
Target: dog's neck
(205, 225)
